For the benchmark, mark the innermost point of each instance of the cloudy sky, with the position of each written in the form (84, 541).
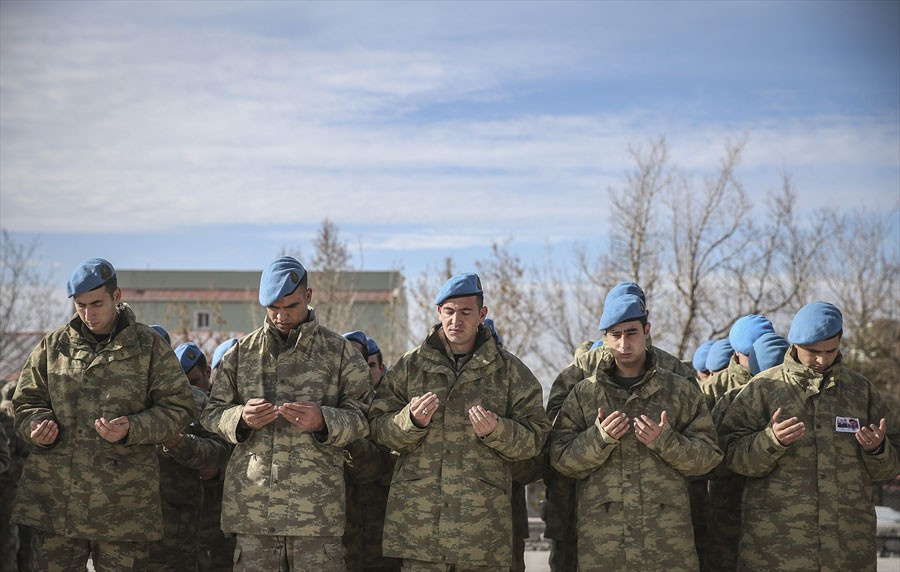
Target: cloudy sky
(210, 135)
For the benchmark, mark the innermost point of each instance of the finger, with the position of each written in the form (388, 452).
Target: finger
(600, 413)
(882, 426)
(662, 419)
(776, 415)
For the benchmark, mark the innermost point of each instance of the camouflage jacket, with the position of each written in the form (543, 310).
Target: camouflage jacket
(560, 510)
(180, 466)
(281, 480)
(82, 485)
(450, 493)
(808, 506)
(716, 385)
(632, 499)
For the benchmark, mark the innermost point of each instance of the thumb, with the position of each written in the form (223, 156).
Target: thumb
(882, 426)
(776, 415)
(600, 413)
(662, 420)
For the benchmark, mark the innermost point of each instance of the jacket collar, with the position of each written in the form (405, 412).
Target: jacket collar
(807, 379)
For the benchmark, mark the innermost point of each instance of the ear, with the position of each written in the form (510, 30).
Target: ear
(309, 292)
(647, 329)
(117, 295)
(483, 313)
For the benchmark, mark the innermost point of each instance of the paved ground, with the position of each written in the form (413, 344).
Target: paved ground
(536, 561)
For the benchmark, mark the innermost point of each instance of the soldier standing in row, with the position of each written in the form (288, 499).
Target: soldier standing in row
(290, 396)
(810, 435)
(368, 470)
(183, 461)
(631, 434)
(459, 410)
(94, 399)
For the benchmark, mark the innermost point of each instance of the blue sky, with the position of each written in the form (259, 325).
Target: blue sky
(210, 135)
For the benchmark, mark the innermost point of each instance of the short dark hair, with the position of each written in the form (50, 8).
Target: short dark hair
(379, 356)
(642, 320)
(110, 286)
(300, 286)
(201, 362)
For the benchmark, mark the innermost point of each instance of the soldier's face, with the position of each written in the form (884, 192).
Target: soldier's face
(200, 378)
(289, 312)
(819, 357)
(376, 370)
(627, 342)
(97, 309)
(459, 319)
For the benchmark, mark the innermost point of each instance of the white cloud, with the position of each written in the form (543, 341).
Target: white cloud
(114, 123)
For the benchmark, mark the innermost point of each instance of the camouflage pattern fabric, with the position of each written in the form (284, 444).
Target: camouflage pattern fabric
(632, 499)
(281, 480)
(716, 385)
(182, 493)
(282, 553)
(450, 493)
(82, 485)
(725, 491)
(62, 554)
(524, 473)
(808, 506)
(215, 550)
(560, 509)
(368, 468)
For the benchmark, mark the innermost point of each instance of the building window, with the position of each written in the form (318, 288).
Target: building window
(202, 320)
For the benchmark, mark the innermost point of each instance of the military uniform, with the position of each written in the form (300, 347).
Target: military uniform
(17, 543)
(633, 510)
(560, 510)
(808, 506)
(369, 469)
(282, 481)
(717, 384)
(182, 493)
(450, 493)
(82, 486)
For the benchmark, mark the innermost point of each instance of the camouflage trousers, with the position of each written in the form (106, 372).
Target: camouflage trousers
(724, 523)
(564, 555)
(62, 554)
(288, 554)
(173, 555)
(18, 547)
(420, 566)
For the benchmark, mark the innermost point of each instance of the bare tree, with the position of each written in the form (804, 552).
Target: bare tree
(705, 236)
(862, 266)
(28, 304)
(334, 291)
(774, 272)
(635, 243)
(422, 294)
(512, 301)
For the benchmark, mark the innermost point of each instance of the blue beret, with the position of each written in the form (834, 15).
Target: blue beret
(372, 346)
(359, 337)
(188, 355)
(162, 331)
(624, 308)
(89, 275)
(279, 279)
(746, 331)
(597, 344)
(699, 361)
(221, 350)
(719, 355)
(815, 323)
(768, 351)
(468, 284)
(626, 288)
(492, 328)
